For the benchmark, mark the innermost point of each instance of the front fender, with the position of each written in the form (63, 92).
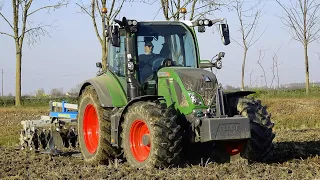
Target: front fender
(231, 99)
(238, 93)
(141, 98)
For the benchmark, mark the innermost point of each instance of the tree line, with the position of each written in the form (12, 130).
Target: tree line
(301, 18)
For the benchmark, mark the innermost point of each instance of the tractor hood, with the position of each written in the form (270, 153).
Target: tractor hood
(199, 81)
(188, 88)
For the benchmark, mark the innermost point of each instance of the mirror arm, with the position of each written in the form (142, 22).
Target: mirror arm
(207, 65)
(214, 21)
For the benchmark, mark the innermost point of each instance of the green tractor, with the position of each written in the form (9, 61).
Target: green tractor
(156, 106)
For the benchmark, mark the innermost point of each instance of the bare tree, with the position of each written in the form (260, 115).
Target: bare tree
(195, 8)
(275, 69)
(252, 83)
(56, 92)
(278, 76)
(259, 61)
(248, 23)
(94, 10)
(40, 92)
(251, 78)
(303, 21)
(21, 27)
(74, 91)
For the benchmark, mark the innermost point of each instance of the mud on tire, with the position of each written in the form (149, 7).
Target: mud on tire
(165, 143)
(258, 147)
(97, 148)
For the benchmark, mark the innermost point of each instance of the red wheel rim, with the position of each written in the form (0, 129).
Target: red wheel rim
(138, 149)
(91, 129)
(234, 148)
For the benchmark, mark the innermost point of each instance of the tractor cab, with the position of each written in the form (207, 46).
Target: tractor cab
(157, 42)
(138, 50)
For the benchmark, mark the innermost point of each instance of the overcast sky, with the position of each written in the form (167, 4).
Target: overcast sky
(68, 57)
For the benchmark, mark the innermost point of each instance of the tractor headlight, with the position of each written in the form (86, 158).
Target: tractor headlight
(206, 22)
(133, 25)
(200, 22)
(134, 22)
(195, 98)
(130, 66)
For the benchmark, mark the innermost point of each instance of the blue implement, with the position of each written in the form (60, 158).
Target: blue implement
(64, 113)
(69, 115)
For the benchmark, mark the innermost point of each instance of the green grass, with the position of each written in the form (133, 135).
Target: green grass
(11, 139)
(293, 113)
(34, 101)
(314, 92)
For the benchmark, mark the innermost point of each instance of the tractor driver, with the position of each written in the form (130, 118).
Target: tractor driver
(144, 65)
(148, 53)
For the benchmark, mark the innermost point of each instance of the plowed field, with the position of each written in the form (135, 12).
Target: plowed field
(295, 156)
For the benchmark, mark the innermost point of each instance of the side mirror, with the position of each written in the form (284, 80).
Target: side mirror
(115, 35)
(220, 55)
(98, 64)
(224, 32)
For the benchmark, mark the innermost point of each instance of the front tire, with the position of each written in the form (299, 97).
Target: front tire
(258, 147)
(151, 136)
(94, 129)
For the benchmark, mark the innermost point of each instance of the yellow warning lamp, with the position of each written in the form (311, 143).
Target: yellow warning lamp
(104, 10)
(183, 10)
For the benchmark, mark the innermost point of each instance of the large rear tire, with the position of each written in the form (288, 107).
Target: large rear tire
(151, 136)
(258, 147)
(94, 129)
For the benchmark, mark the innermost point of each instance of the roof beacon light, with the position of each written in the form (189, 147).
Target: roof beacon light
(183, 10)
(104, 10)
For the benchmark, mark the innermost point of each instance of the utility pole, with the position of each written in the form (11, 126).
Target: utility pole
(2, 83)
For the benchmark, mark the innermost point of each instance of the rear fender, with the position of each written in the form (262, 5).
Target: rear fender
(109, 90)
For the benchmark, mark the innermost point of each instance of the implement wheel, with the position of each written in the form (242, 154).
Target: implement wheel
(258, 147)
(151, 136)
(94, 129)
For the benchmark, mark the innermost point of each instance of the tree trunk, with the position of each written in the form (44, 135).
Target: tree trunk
(307, 67)
(104, 55)
(278, 78)
(105, 21)
(18, 75)
(243, 67)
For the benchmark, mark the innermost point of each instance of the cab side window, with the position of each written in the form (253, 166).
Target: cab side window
(116, 58)
(176, 50)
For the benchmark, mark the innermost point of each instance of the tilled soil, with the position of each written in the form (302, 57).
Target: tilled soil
(296, 156)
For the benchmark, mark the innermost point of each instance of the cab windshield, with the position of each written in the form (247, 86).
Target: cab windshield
(156, 41)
